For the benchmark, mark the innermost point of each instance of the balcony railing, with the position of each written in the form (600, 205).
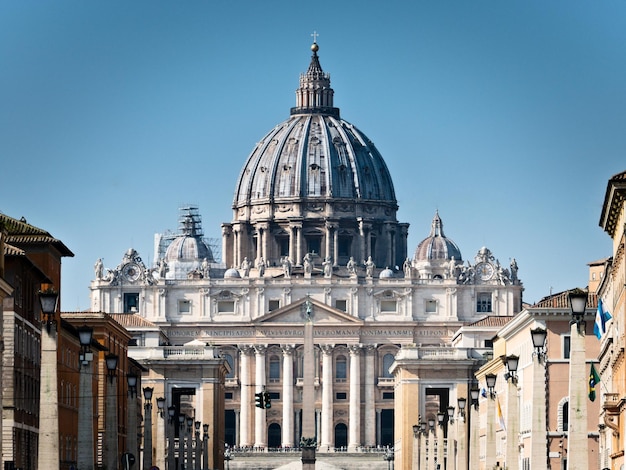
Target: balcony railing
(612, 402)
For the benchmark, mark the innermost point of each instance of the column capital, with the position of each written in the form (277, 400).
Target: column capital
(260, 349)
(245, 349)
(327, 349)
(369, 348)
(288, 349)
(355, 349)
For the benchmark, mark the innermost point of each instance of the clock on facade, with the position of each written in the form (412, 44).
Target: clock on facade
(131, 271)
(484, 271)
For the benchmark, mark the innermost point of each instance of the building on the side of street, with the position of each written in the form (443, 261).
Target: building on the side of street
(612, 293)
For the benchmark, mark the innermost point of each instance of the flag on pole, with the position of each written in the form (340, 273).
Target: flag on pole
(499, 415)
(594, 379)
(602, 316)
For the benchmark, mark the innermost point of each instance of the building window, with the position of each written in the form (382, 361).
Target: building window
(274, 369)
(566, 346)
(341, 305)
(273, 305)
(341, 372)
(131, 302)
(387, 395)
(387, 362)
(283, 246)
(226, 306)
(313, 244)
(231, 363)
(345, 245)
(275, 395)
(228, 396)
(483, 302)
(431, 306)
(388, 306)
(184, 306)
(489, 343)
(341, 396)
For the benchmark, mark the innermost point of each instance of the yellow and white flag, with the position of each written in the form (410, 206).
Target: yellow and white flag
(499, 415)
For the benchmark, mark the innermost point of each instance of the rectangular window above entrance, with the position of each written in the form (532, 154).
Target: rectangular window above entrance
(131, 302)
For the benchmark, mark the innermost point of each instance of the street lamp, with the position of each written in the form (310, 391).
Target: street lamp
(431, 442)
(451, 459)
(147, 440)
(461, 403)
(490, 454)
(491, 384)
(423, 436)
(48, 452)
(172, 463)
(511, 364)
(85, 457)
(461, 434)
(578, 381)
(441, 418)
(538, 336)
(111, 436)
(474, 438)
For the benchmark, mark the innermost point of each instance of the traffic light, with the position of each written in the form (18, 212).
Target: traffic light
(268, 400)
(259, 402)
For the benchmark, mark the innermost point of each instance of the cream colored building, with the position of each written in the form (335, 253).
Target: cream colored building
(314, 223)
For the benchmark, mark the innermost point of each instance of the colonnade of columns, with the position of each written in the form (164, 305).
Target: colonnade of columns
(236, 246)
(358, 404)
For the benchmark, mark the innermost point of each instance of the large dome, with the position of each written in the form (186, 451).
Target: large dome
(314, 184)
(314, 155)
(189, 245)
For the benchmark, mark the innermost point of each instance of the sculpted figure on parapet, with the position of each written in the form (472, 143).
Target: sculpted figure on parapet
(351, 266)
(286, 262)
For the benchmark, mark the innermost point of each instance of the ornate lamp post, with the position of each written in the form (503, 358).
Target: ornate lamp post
(160, 440)
(577, 436)
(48, 452)
(85, 401)
(147, 428)
(512, 413)
(205, 447)
(111, 452)
(538, 440)
(474, 429)
(131, 436)
(461, 434)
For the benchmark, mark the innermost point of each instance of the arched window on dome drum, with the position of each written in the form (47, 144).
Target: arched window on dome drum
(341, 368)
(274, 369)
(387, 362)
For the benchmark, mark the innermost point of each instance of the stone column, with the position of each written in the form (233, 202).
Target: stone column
(259, 243)
(370, 396)
(422, 465)
(85, 418)
(354, 434)
(577, 445)
(451, 447)
(260, 415)
(538, 438)
(431, 449)
(328, 248)
(475, 438)
(298, 246)
(287, 429)
(512, 426)
(111, 452)
(461, 443)
(147, 439)
(490, 451)
(327, 397)
(48, 452)
(308, 379)
(440, 446)
(336, 246)
(246, 397)
(160, 440)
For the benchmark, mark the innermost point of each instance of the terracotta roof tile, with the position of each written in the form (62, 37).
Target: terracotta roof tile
(492, 321)
(21, 232)
(132, 320)
(561, 300)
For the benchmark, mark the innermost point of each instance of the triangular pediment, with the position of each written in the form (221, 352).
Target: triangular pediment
(296, 312)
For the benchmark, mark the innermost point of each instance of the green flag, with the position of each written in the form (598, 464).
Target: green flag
(594, 379)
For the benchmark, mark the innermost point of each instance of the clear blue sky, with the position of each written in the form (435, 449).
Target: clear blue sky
(506, 116)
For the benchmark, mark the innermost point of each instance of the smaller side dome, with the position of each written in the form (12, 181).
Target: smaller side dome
(437, 246)
(386, 274)
(232, 273)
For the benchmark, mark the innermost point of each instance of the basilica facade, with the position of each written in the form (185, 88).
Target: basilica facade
(314, 236)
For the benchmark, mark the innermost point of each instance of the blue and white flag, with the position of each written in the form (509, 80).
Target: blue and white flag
(602, 316)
